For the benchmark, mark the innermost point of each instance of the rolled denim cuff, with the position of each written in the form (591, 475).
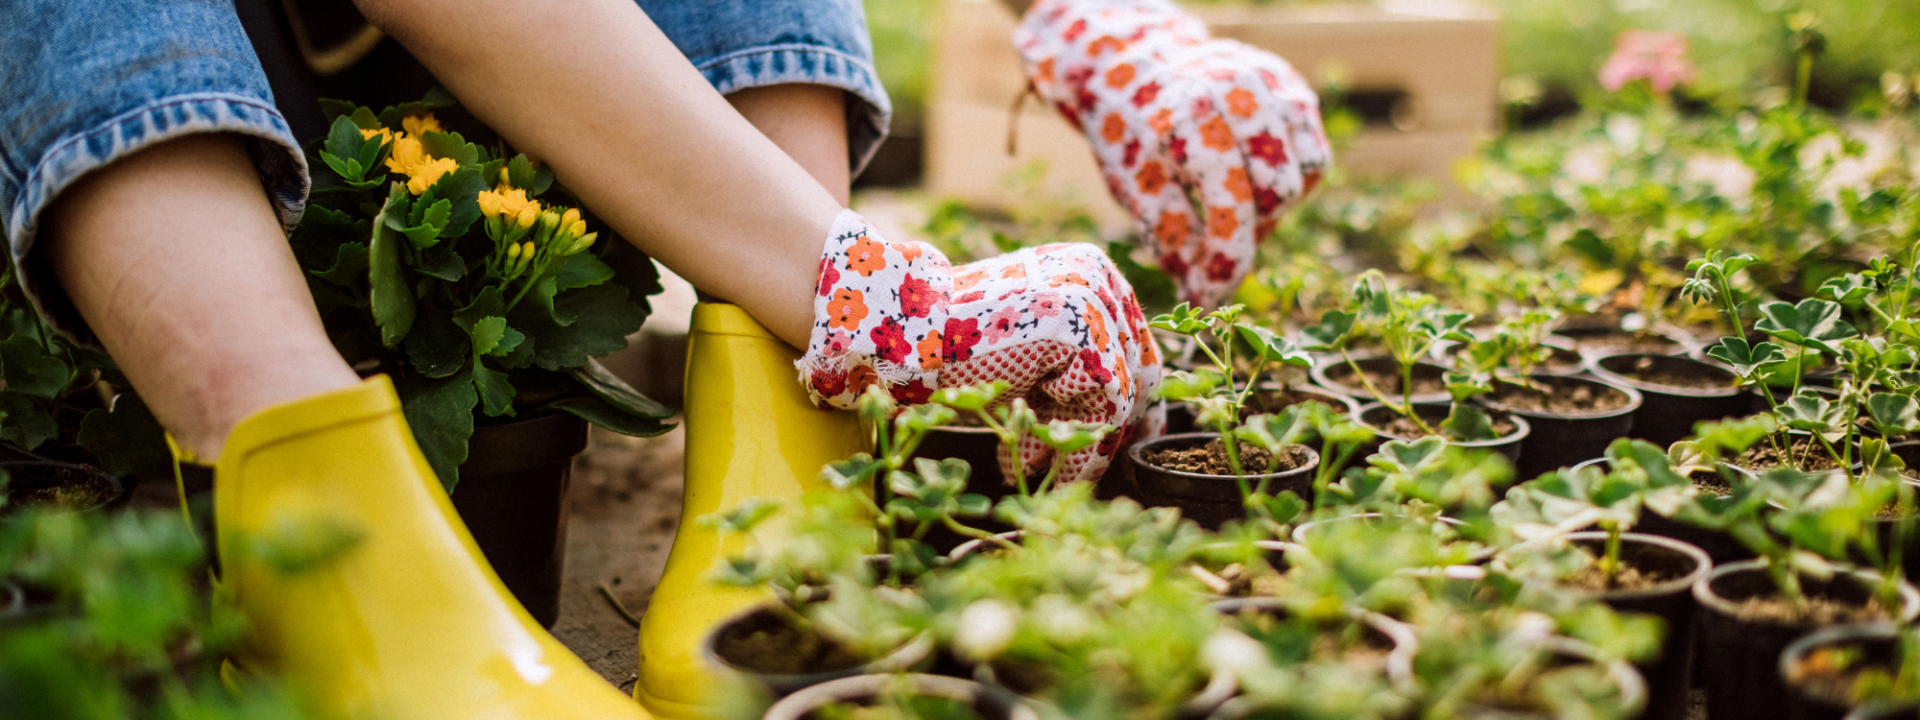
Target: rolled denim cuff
(276, 156)
(867, 120)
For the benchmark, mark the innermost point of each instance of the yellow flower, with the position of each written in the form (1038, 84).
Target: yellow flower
(425, 174)
(386, 136)
(407, 152)
(505, 201)
(571, 216)
(416, 125)
(527, 215)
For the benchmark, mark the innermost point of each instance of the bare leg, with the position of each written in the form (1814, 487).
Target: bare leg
(809, 122)
(176, 260)
(596, 90)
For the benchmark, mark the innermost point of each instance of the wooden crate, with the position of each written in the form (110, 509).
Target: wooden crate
(1442, 54)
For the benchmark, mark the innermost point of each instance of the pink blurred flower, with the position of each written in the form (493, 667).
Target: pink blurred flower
(1660, 58)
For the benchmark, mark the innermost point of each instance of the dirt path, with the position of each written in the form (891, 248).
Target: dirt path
(625, 498)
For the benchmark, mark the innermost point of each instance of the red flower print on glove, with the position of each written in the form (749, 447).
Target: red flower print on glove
(1177, 118)
(1056, 322)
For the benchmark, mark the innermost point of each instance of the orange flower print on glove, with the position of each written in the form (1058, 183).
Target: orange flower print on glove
(1176, 116)
(1057, 323)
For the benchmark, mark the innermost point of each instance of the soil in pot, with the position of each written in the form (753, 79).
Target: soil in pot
(1510, 432)
(1745, 625)
(767, 644)
(1211, 459)
(1429, 380)
(1823, 669)
(1805, 454)
(1677, 392)
(1611, 340)
(57, 485)
(1572, 418)
(1656, 370)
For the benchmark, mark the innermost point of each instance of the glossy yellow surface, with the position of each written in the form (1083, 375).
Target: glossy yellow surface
(410, 623)
(751, 432)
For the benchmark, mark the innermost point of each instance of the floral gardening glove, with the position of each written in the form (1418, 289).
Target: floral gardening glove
(1056, 322)
(1182, 125)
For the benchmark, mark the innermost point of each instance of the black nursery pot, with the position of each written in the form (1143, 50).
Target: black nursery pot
(1740, 658)
(513, 497)
(1334, 374)
(987, 703)
(761, 619)
(1608, 338)
(981, 449)
(1373, 416)
(1878, 643)
(1668, 412)
(65, 485)
(1888, 529)
(1565, 439)
(1209, 500)
(1671, 675)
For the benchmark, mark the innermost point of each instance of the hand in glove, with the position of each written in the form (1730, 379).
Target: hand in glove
(1056, 322)
(1205, 141)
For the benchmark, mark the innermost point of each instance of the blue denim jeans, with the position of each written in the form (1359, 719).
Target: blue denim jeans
(86, 82)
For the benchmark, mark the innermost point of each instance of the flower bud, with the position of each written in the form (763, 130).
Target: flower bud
(577, 228)
(503, 177)
(985, 630)
(585, 241)
(572, 216)
(527, 216)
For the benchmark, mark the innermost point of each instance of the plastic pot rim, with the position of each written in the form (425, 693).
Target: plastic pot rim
(1595, 365)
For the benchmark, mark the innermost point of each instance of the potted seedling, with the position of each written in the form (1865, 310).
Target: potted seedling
(473, 280)
(1629, 571)
(1193, 470)
(1801, 525)
(1510, 663)
(1678, 391)
(1835, 670)
(1408, 325)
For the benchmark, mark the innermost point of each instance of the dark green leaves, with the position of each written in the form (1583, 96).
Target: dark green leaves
(351, 156)
(1811, 324)
(440, 412)
(1330, 335)
(1746, 359)
(393, 302)
(30, 370)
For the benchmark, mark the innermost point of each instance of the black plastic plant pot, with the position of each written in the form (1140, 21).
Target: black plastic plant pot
(1667, 411)
(741, 647)
(1669, 676)
(1336, 375)
(1209, 500)
(1889, 528)
(1180, 416)
(1719, 546)
(62, 485)
(1739, 661)
(513, 498)
(981, 449)
(1565, 439)
(1375, 417)
(986, 702)
(1876, 644)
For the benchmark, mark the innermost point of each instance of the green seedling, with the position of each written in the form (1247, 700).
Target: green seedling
(1219, 400)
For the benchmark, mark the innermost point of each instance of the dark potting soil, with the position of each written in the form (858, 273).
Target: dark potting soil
(1677, 374)
(1709, 483)
(766, 644)
(1830, 673)
(1628, 577)
(60, 487)
(1775, 610)
(1275, 401)
(1611, 341)
(1388, 383)
(1641, 567)
(1556, 397)
(1402, 426)
(1211, 459)
(1808, 456)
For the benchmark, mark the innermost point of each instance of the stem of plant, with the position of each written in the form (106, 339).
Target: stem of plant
(973, 532)
(1610, 566)
(1404, 410)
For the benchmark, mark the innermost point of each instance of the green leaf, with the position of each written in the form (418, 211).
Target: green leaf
(1745, 359)
(450, 145)
(742, 518)
(970, 398)
(1811, 324)
(342, 148)
(600, 381)
(126, 440)
(606, 318)
(487, 333)
(426, 230)
(607, 416)
(1183, 319)
(393, 304)
(23, 422)
(322, 230)
(1468, 424)
(1849, 289)
(30, 370)
(496, 392)
(349, 266)
(580, 270)
(1894, 413)
(440, 412)
(461, 188)
(1331, 334)
(487, 302)
(437, 347)
(520, 172)
(1589, 245)
(442, 262)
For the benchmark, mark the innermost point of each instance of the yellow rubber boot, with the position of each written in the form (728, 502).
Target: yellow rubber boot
(410, 622)
(751, 432)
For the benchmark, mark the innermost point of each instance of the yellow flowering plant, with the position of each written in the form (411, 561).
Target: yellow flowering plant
(470, 277)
